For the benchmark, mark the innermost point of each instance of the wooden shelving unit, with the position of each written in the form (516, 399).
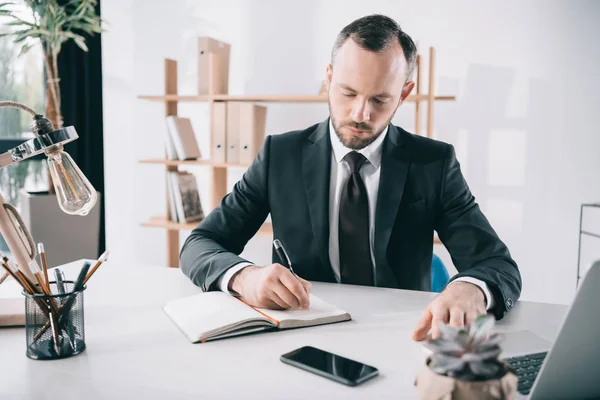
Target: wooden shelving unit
(219, 170)
(267, 98)
(162, 222)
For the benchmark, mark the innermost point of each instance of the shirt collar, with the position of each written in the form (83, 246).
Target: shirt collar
(372, 152)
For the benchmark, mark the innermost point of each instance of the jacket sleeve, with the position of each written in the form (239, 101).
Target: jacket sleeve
(474, 246)
(214, 246)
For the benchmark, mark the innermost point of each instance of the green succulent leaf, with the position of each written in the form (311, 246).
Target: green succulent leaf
(448, 332)
(480, 328)
(480, 357)
(485, 370)
(493, 341)
(447, 363)
(442, 346)
(463, 339)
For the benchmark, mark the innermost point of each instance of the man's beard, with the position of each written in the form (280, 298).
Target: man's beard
(353, 142)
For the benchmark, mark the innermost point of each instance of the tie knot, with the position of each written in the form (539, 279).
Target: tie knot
(355, 160)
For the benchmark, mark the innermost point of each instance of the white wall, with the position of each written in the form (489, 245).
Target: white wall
(524, 124)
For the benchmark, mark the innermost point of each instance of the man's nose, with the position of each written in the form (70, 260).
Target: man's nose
(361, 112)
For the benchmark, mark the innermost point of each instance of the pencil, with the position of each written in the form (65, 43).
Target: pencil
(37, 272)
(4, 277)
(16, 274)
(44, 264)
(11, 273)
(101, 259)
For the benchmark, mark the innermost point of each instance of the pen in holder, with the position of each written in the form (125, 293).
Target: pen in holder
(54, 324)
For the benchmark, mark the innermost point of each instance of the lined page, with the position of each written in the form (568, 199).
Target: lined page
(318, 312)
(205, 314)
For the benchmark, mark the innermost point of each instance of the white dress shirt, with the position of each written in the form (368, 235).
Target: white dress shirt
(340, 172)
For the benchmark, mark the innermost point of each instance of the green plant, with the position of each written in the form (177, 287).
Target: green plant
(469, 354)
(53, 24)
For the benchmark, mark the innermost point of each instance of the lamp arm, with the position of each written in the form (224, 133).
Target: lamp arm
(20, 106)
(14, 240)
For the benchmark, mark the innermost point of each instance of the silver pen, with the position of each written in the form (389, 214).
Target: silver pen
(283, 255)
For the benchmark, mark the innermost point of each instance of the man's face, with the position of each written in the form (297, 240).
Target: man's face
(365, 90)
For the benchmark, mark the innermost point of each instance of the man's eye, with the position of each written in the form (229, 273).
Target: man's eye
(349, 94)
(377, 101)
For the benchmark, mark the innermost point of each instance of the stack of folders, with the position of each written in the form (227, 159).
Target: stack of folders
(238, 132)
(184, 197)
(181, 141)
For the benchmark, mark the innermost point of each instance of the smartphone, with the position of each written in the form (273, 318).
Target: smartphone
(329, 365)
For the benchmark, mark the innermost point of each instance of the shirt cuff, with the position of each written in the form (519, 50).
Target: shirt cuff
(482, 285)
(223, 282)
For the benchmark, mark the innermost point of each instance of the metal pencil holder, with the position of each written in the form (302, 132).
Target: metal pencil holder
(54, 324)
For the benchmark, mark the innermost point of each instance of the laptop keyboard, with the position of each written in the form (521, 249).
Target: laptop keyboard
(527, 368)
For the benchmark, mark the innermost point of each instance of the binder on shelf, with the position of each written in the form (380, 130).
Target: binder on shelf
(219, 133)
(233, 132)
(207, 45)
(183, 138)
(253, 119)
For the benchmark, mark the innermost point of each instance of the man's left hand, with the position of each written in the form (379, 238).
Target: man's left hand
(459, 305)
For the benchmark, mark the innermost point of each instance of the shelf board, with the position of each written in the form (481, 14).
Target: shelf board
(268, 98)
(173, 163)
(251, 98)
(162, 222)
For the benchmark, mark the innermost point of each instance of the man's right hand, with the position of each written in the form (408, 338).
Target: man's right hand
(273, 287)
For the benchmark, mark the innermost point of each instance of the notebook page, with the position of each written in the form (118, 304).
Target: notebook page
(205, 314)
(318, 312)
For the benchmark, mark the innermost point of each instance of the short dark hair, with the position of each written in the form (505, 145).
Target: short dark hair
(376, 33)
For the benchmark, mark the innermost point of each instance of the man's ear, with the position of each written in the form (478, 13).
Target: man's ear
(328, 76)
(406, 90)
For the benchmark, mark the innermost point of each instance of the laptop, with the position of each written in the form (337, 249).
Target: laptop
(570, 369)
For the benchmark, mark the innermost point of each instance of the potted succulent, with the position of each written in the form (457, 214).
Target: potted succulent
(464, 364)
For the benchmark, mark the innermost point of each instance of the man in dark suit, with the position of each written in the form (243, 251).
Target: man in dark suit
(356, 200)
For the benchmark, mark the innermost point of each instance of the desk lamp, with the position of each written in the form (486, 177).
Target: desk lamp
(75, 193)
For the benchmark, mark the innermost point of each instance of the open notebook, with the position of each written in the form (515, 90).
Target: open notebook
(216, 315)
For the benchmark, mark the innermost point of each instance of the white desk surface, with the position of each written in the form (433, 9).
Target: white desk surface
(135, 351)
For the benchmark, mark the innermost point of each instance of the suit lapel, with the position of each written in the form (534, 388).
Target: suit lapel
(394, 168)
(316, 170)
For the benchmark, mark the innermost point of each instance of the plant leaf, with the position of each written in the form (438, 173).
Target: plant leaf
(485, 370)
(24, 49)
(441, 346)
(480, 327)
(448, 363)
(481, 357)
(494, 340)
(448, 332)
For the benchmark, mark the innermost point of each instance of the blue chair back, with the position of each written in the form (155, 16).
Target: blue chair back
(439, 275)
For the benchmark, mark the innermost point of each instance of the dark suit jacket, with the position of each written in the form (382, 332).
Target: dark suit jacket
(421, 189)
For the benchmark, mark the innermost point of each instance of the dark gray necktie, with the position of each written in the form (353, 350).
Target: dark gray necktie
(355, 254)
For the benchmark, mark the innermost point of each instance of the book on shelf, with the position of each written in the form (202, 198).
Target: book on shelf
(181, 141)
(184, 198)
(217, 315)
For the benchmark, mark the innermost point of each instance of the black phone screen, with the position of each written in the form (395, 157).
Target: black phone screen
(330, 365)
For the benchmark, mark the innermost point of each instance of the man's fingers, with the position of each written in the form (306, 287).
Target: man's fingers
(423, 326)
(306, 284)
(470, 316)
(295, 289)
(457, 318)
(275, 298)
(440, 314)
(284, 294)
